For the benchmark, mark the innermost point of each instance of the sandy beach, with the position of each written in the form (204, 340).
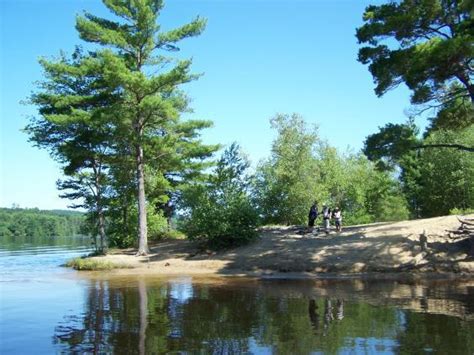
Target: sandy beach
(373, 249)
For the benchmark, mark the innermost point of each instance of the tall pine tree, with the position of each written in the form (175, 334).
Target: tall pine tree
(124, 96)
(149, 102)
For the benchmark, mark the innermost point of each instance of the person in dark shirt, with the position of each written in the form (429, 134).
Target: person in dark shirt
(313, 214)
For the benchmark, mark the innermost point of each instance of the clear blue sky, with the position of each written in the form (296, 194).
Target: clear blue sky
(258, 58)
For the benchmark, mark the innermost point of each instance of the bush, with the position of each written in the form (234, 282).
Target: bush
(392, 208)
(124, 235)
(220, 213)
(460, 211)
(157, 225)
(221, 224)
(172, 234)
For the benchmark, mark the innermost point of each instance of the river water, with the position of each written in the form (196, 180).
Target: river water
(46, 308)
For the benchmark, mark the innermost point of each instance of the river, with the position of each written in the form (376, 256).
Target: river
(46, 308)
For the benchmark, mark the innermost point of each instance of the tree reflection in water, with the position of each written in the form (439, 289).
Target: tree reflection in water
(143, 316)
(313, 315)
(143, 301)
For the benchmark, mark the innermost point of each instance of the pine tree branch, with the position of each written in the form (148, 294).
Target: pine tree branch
(446, 145)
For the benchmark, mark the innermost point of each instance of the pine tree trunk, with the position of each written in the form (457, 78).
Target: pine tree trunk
(100, 211)
(142, 223)
(103, 246)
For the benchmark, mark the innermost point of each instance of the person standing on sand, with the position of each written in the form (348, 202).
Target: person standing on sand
(313, 214)
(326, 218)
(337, 215)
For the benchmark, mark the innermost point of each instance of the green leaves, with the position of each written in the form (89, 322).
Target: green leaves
(303, 169)
(168, 39)
(112, 118)
(436, 174)
(219, 213)
(390, 144)
(285, 183)
(425, 44)
(446, 175)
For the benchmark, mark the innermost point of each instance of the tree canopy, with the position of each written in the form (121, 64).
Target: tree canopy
(111, 116)
(426, 44)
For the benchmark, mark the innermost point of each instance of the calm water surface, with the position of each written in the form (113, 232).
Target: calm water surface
(46, 309)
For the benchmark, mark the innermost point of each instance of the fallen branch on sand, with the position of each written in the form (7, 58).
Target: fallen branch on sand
(467, 221)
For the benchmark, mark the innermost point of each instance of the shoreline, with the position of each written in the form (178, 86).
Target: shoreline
(404, 277)
(380, 250)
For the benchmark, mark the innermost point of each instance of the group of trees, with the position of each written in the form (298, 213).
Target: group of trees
(302, 168)
(436, 180)
(429, 46)
(220, 211)
(18, 222)
(111, 116)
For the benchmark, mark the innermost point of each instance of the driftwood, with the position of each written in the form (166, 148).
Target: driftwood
(468, 222)
(458, 231)
(458, 236)
(465, 231)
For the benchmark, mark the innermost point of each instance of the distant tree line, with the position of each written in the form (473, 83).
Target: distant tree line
(112, 117)
(32, 222)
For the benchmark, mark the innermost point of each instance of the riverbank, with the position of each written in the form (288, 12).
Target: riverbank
(380, 248)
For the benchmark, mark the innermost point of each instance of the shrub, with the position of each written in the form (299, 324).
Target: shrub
(219, 224)
(460, 211)
(220, 213)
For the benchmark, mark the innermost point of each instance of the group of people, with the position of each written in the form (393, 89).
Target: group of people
(327, 214)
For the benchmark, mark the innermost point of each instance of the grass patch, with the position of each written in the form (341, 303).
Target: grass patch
(93, 264)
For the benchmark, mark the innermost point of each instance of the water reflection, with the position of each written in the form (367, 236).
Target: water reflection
(313, 315)
(155, 316)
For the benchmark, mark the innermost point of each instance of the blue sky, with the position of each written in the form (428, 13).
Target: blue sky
(259, 58)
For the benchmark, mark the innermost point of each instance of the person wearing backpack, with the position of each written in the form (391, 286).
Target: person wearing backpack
(326, 218)
(313, 214)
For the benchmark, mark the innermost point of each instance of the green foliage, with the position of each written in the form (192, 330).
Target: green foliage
(72, 126)
(147, 113)
(425, 44)
(19, 222)
(111, 117)
(434, 179)
(390, 144)
(157, 225)
(458, 211)
(446, 176)
(172, 234)
(303, 169)
(453, 115)
(285, 185)
(392, 208)
(220, 213)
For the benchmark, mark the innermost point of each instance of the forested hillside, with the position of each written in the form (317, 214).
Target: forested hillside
(34, 222)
